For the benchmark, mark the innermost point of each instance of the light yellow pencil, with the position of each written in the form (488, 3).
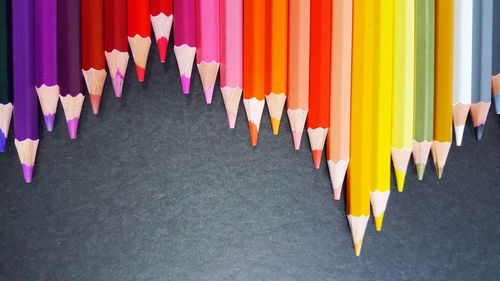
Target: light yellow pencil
(383, 71)
(402, 98)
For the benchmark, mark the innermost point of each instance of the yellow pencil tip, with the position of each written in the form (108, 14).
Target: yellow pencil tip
(400, 179)
(357, 248)
(378, 222)
(276, 125)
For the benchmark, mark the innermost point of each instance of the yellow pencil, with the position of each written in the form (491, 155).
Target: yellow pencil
(402, 98)
(360, 173)
(383, 70)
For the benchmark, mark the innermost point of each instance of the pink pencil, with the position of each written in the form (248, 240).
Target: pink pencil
(185, 39)
(231, 47)
(207, 44)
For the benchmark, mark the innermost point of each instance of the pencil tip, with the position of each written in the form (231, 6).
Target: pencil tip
(275, 123)
(378, 222)
(400, 179)
(459, 133)
(27, 173)
(162, 44)
(95, 100)
(439, 171)
(337, 192)
(49, 121)
(357, 248)
(497, 103)
(141, 72)
(73, 127)
(297, 137)
(479, 131)
(118, 84)
(3, 140)
(186, 81)
(254, 133)
(209, 93)
(420, 171)
(231, 119)
(317, 153)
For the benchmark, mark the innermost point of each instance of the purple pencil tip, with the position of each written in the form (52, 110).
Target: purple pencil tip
(27, 172)
(72, 128)
(186, 81)
(118, 84)
(49, 121)
(3, 140)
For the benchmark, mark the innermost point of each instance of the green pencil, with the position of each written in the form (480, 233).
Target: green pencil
(424, 83)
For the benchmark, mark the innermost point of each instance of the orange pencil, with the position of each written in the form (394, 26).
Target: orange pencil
(318, 119)
(254, 64)
(340, 95)
(299, 13)
(276, 41)
(139, 34)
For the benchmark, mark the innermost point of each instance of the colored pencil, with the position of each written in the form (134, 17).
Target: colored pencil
(424, 83)
(185, 39)
(462, 66)
(69, 65)
(482, 56)
(277, 56)
(383, 91)
(340, 94)
(443, 84)
(46, 59)
(115, 42)
(231, 68)
(93, 60)
(5, 73)
(360, 173)
(254, 64)
(403, 95)
(495, 82)
(161, 20)
(318, 120)
(139, 34)
(25, 99)
(208, 44)
(299, 14)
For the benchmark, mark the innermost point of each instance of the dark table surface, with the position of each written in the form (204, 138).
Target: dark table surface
(156, 187)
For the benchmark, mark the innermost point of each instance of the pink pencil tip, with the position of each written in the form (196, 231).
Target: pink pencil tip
(49, 121)
(27, 172)
(118, 84)
(72, 128)
(297, 137)
(209, 93)
(317, 157)
(162, 48)
(186, 81)
(231, 119)
(95, 100)
(141, 72)
(337, 192)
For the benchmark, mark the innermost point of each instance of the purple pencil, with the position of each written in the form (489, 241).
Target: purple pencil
(69, 66)
(25, 100)
(185, 39)
(46, 59)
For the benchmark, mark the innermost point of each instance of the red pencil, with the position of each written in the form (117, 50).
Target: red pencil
(93, 61)
(161, 20)
(115, 41)
(139, 34)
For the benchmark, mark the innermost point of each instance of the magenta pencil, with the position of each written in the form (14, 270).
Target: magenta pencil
(46, 59)
(185, 39)
(231, 52)
(25, 99)
(208, 44)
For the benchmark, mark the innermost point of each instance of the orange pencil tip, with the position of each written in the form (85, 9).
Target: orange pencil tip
(95, 100)
(254, 133)
(317, 157)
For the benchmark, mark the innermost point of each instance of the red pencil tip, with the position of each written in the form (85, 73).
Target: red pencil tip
(140, 73)
(254, 133)
(95, 100)
(162, 44)
(317, 157)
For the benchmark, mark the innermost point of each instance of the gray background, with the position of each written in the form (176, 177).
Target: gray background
(156, 187)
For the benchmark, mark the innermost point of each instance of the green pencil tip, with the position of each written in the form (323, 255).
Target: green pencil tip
(420, 171)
